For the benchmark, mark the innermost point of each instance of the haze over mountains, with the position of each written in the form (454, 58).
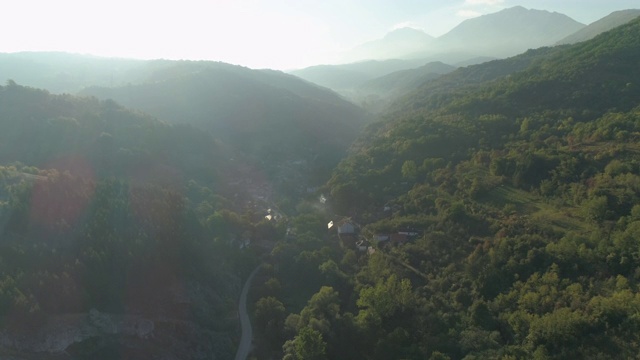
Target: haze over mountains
(507, 32)
(498, 35)
(400, 43)
(374, 95)
(69, 73)
(607, 23)
(502, 34)
(266, 115)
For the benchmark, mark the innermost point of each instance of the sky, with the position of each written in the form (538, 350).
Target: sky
(278, 34)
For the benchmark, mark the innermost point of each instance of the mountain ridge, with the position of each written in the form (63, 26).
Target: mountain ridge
(512, 31)
(606, 23)
(272, 118)
(399, 43)
(583, 81)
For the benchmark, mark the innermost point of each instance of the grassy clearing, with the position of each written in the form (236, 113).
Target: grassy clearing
(564, 218)
(523, 202)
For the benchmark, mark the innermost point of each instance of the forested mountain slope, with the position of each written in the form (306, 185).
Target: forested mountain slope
(239, 102)
(69, 73)
(522, 193)
(469, 76)
(345, 77)
(119, 234)
(596, 28)
(376, 94)
(273, 118)
(38, 128)
(404, 81)
(295, 131)
(552, 78)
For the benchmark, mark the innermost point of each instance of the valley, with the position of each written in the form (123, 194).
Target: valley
(437, 198)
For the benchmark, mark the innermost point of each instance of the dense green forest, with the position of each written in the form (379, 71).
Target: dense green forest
(521, 178)
(106, 213)
(295, 130)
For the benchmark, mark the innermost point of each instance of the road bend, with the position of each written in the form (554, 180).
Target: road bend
(245, 324)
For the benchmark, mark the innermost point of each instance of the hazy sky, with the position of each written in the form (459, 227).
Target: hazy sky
(281, 34)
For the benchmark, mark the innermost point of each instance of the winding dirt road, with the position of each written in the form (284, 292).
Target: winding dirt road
(245, 324)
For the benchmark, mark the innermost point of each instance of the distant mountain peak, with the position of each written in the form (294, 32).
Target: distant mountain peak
(523, 11)
(514, 8)
(407, 33)
(399, 43)
(508, 32)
